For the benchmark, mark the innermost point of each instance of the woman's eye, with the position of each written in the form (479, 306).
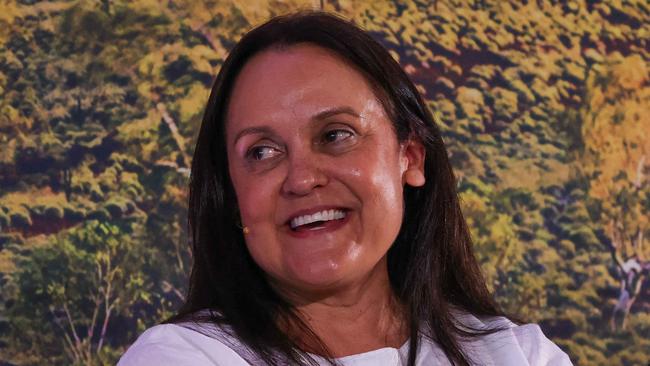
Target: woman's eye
(262, 152)
(336, 136)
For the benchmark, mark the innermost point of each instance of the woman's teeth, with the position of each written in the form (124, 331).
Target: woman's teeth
(325, 215)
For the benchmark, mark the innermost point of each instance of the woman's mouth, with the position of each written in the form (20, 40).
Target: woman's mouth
(316, 220)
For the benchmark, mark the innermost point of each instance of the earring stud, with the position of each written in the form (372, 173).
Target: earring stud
(246, 230)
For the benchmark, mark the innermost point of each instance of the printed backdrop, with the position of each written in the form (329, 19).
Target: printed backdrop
(544, 107)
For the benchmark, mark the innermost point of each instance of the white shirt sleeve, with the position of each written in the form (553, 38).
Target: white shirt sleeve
(174, 345)
(516, 345)
(539, 350)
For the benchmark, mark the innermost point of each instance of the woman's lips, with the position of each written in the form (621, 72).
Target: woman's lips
(323, 227)
(317, 218)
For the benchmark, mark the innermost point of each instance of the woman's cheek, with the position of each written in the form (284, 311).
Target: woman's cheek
(255, 197)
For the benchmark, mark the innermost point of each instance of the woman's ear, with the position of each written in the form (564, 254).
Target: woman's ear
(412, 154)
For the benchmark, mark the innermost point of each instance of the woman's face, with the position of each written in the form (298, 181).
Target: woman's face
(317, 169)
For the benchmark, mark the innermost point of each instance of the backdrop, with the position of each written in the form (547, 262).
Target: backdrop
(544, 107)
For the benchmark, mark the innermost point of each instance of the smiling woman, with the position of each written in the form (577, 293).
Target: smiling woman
(325, 222)
(304, 146)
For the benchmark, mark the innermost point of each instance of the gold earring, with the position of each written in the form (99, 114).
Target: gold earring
(246, 230)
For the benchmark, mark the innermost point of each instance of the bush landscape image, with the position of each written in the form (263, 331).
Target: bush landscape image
(543, 106)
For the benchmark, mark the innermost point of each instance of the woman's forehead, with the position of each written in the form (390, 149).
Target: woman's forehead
(298, 81)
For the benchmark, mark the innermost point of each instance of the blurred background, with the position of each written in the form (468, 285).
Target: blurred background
(544, 107)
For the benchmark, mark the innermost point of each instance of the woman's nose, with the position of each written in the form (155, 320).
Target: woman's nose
(304, 174)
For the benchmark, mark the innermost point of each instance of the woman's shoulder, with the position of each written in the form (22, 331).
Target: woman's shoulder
(179, 344)
(513, 344)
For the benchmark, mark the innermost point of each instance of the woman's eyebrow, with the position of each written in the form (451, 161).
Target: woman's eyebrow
(334, 111)
(253, 130)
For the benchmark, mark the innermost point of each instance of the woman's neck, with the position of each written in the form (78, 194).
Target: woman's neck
(354, 320)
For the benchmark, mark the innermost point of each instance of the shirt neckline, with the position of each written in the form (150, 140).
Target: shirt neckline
(372, 353)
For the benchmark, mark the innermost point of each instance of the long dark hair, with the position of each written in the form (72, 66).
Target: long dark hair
(432, 269)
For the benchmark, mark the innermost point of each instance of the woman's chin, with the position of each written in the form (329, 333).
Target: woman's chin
(316, 277)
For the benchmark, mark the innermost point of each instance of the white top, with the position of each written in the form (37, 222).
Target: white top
(177, 345)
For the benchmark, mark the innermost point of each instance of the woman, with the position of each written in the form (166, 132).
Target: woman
(325, 222)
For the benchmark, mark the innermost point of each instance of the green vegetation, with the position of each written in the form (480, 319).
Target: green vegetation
(543, 105)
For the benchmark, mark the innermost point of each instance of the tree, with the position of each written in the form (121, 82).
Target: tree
(75, 286)
(617, 162)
